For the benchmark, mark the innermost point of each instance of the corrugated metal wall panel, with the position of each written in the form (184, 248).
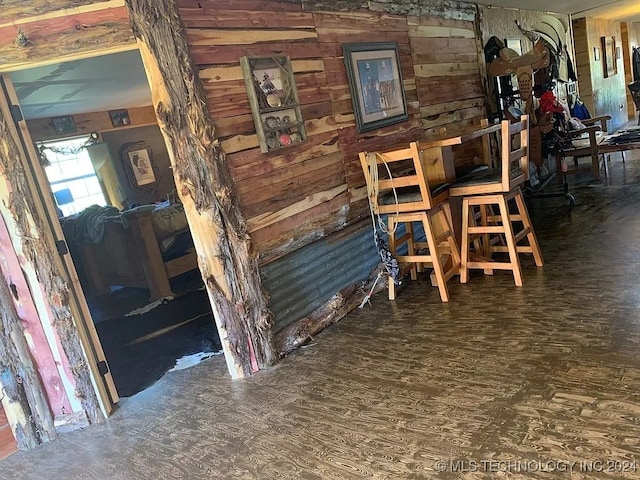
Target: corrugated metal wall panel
(304, 280)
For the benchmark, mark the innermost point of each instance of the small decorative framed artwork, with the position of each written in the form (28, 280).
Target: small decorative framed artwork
(63, 125)
(375, 82)
(119, 118)
(139, 165)
(609, 63)
(596, 54)
(273, 97)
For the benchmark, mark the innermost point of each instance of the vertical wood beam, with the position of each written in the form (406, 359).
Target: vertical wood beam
(22, 393)
(39, 250)
(227, 259)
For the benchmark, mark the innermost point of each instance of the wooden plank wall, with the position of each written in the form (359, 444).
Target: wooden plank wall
(335, 29)
(42, 129)
(293, 196)
(446, 60)
(445, 55)
(603, 96)
(35, 32)
(584, 59)
(299, 189)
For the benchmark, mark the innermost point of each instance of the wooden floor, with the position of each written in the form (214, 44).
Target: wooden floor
(517, 381)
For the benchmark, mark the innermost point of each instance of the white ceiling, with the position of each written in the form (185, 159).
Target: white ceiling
(119, 80)
(95, 84)
(622, 10)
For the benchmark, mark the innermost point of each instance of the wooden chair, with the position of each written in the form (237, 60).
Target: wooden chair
(585, 143)
(487, 221)
(398, 188)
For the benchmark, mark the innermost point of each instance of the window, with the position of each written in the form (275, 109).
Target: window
(71, 175)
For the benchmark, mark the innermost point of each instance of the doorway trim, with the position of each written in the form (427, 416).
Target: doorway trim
(59, 281)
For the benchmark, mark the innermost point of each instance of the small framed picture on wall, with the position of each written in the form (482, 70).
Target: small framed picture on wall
(63, 125)
(137, 159)
(375, 82)
(609, 62)
(119, 118)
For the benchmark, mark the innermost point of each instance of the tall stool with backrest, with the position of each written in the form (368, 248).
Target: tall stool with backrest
(398, 188)
(486, 213)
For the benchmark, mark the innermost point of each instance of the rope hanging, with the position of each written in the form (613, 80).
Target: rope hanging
(390, 263)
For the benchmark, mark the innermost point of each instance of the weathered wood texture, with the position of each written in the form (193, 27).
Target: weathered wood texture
(16, 10)
(450, 89)
(26, 403)
(50, 368)
(603, 96)
(42, 129)
(584, 57)
(291, 196)
(445, 8)
(36, 32)
(227, 259)
(294, 196)
(449, 62)
(335, 29)
(302, 331)
(299, 194)
(38, 250)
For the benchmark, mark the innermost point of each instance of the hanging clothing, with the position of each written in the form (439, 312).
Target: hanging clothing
(492, 49)
(571, 70)
(549, 103)
(636, 64)
(580, 110)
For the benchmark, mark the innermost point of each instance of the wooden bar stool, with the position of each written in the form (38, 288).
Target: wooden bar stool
(494, 215)
(398, 188)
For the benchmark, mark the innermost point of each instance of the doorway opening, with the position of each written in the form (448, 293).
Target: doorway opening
(109, 174)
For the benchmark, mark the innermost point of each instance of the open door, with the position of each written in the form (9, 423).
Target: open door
(43, 205)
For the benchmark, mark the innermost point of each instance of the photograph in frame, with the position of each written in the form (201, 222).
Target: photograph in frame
(375, 82)
(141, 167)
(609, 61)
(119, 118)
(63, 125)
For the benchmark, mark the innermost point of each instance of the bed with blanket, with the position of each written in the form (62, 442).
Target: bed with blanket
(141, 247)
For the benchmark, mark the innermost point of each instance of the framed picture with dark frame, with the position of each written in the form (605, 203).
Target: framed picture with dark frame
(119, 118)
(139, 165)
(609, 61)
(375, 82)
(63, 125)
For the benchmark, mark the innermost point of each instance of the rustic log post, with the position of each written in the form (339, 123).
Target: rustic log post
(227, 259)
(20, 388)
(39, 252)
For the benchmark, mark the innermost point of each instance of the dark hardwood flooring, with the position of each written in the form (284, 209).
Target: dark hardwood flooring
(513, 379)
